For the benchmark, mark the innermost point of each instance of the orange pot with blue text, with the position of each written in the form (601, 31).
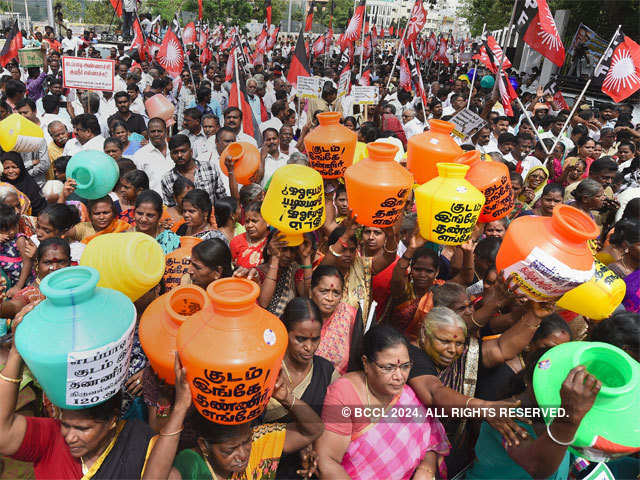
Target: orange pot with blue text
(378, 186)
(232, 357)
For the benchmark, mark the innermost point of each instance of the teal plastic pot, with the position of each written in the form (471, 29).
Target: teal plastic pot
(611, 428)
(77, 342)
(95, 173)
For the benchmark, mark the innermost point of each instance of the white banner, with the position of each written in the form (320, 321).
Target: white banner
(88, 73)
(309, 87)
(363, 95)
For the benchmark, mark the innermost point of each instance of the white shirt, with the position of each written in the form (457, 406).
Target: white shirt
(73, 146)
(269, 99)
(243, 137)
(214, 161)
(624, 197)
(70, 44)
(47, 118)
(271, 164)
(273, 122)
(413, 127)
(152, 162)
(199, 143)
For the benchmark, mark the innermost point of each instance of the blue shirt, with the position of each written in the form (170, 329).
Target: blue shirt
(214, 105)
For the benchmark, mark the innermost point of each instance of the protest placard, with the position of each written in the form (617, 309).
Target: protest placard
(364, 95)
(466, 122)
(88, 73)
(309, 87)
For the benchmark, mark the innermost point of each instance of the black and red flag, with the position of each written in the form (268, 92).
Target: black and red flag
(620, 69)
(238, 98)
(139, 42)
(309, 21)
(354, 28)
(417, 19)
(507, 94)
(117, 6)
(12, 44)
(483, 57)
(299, 65)
(267, 8)
(495, 54)
(537, 28)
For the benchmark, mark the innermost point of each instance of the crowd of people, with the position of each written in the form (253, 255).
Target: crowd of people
(376, 318)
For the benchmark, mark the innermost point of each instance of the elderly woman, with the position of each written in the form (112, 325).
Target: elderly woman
(448, 356)
(12, 197)
(589, 196)
(363, 447)
(534, 183)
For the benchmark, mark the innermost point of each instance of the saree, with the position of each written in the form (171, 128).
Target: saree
(116, 226)
(357, 286)
(337, 335)
(285, 289)
(538, 190)
(393, 450)
(408, 316)
(266, 448)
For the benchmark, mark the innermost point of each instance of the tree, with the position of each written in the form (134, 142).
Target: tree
(98, 13)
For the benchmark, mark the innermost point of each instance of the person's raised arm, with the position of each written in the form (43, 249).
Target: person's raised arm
(13, 427)
(268, 287)
(400, 276)
(163, 453)
(334, 251)
(542, 457)
(233, 183)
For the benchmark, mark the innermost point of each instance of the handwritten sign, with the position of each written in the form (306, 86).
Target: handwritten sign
(343, 83)
(96, 375)
(466, 122)
(88, 73)
(364, 95)
(309, 87)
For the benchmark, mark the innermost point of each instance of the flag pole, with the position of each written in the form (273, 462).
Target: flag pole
(362, 40)
(526, 114)
(395, 59)
(475, 67)
(586, 86)
(506, 38)
(415, 62)
(237, 75)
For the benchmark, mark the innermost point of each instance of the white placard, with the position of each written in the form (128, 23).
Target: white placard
(363, 95)
(88, 73)
(94, 376)
(466, 122)
(309, 87)
(343, 83)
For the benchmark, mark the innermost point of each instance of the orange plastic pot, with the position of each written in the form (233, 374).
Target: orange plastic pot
(246, 160)
(377, 186)
(330, 146)
(545, 257)
(161, 107)
(426, 150)
(492, 179)
(161, 321)
(176, 262)
(232, 357)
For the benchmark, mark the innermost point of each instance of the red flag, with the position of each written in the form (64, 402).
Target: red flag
(432, 45)
(261, 41)
(272, 40)
(405, 74)
(309, 21)
(537, 28)
(559, 103)
(205, 56)
(441, 54)
(229, 68)
(495, 50)
(299, 66)
(11, 46)
(238, 98)
(170, 55)
(203, 37)
(374, 37)
(367, 47)
(199, 9)
(417, 19)
(318, 46)
(139, 42)
(507, 94)
(117, 6)
(189, 33)
(483, 57)
(267, 7)
(354, 29)
(365, 78)
(620, 71)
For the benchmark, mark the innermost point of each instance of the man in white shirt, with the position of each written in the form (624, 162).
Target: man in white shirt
(278, 115)
(193, 130)
(270, 153)
(70, 43)
(233, 120)
(51, 106)
(411, 125)
(223, 137)
(154, 158)
(253, 99)
(87, 135)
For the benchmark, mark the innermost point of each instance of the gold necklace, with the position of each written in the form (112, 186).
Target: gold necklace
(286, 371)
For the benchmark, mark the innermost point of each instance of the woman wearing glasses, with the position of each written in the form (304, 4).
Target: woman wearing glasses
(375, 426)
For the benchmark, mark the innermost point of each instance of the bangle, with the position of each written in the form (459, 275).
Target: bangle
(332, 252)
(170, 434)
(466, 405)
(270, 278)
(564, 444)
(11, 380)
(306, 267)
